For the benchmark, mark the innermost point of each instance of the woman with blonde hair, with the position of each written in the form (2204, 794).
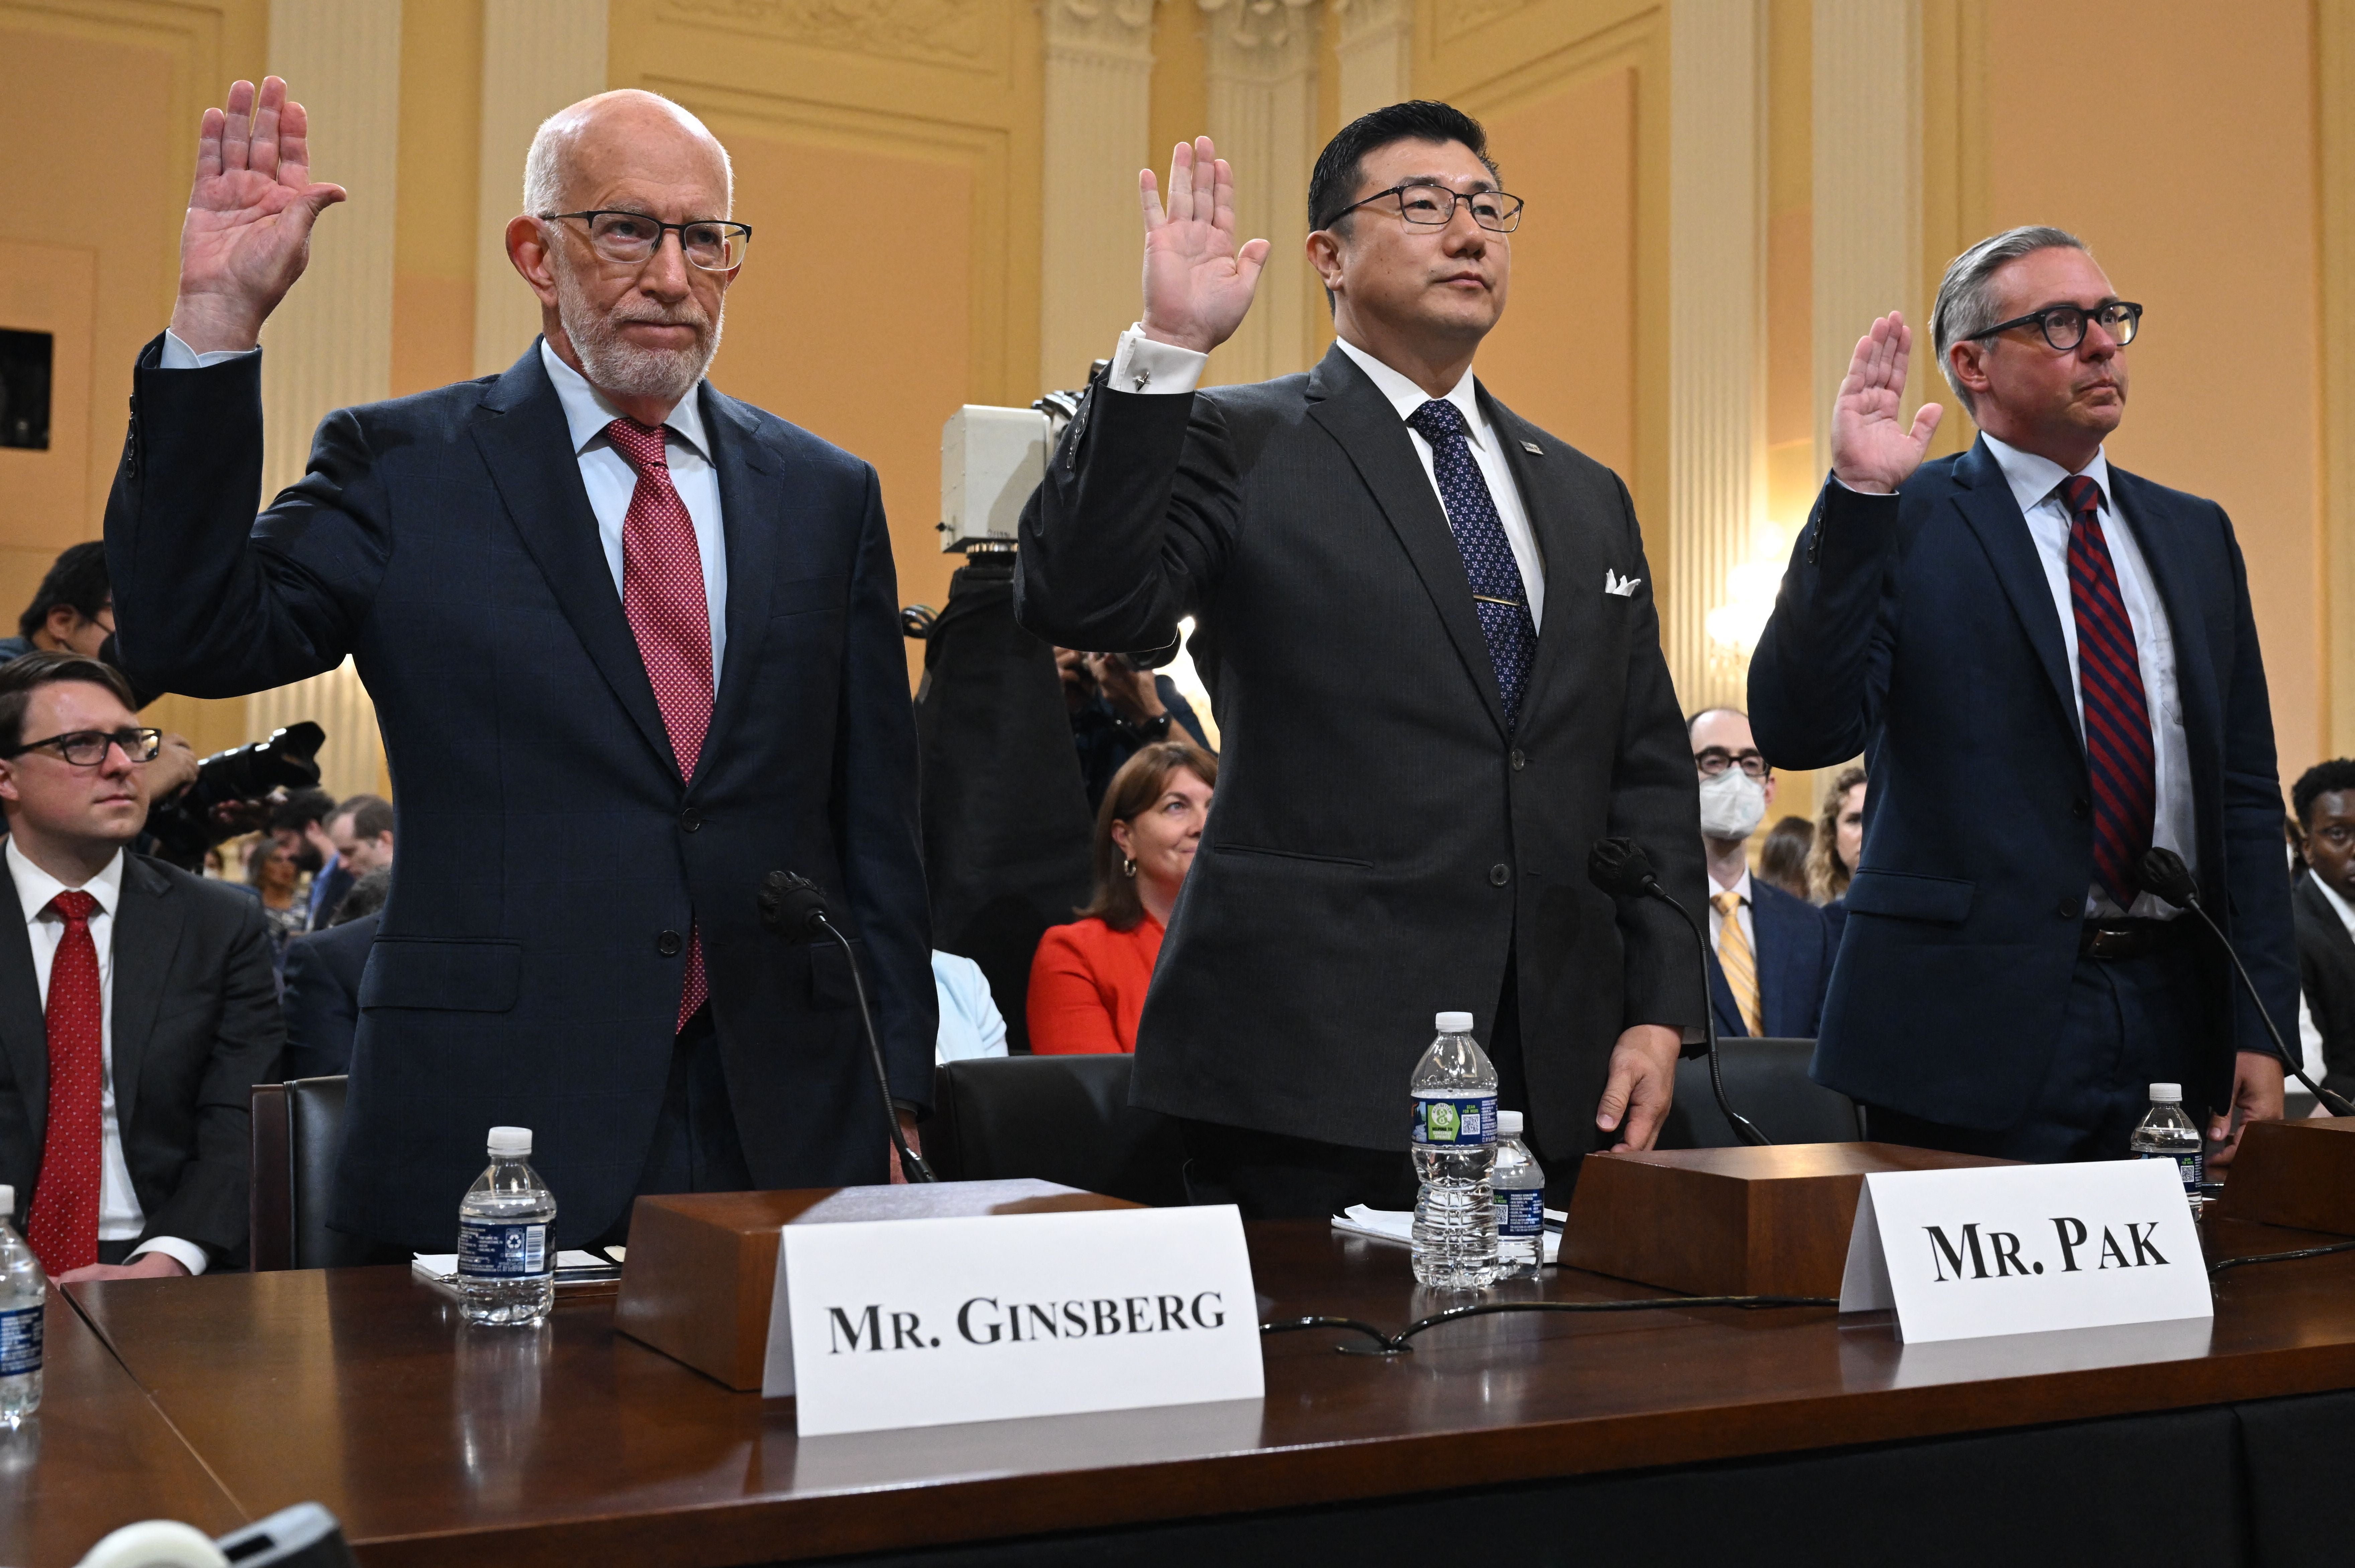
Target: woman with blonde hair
(1839, 838)
(1088, 978)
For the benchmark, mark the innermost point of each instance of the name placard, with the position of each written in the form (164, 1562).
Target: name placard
(2025, 1248)
(921, 1322)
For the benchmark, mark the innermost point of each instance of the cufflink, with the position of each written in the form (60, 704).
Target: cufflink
(1143, 378)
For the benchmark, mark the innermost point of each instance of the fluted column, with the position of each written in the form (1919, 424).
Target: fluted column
(1262, 69)
(1098, 99)
(1374, 56)
(2334, 115)
(1717, 359)
(1867, 255)
(537, 56)
(329, 345)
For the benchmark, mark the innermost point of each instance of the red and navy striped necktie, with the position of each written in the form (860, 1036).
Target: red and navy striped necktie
(2109, 682)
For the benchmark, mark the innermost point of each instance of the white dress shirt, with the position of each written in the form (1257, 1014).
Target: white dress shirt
(1741, 888)
(1142, 364)
(120, 1218)
(607, 475)
(2036, 484)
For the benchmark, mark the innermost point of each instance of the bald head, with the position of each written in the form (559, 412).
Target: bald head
(623, 137)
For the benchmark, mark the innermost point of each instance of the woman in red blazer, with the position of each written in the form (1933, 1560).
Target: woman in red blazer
(1088, 978)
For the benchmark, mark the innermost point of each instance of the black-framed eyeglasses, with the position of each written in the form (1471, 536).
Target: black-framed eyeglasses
(1713, 760)
(631, 238)
(1427, 205)
(88, 748)
(2063, 326)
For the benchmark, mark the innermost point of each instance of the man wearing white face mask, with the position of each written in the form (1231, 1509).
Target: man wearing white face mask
(1771, 954)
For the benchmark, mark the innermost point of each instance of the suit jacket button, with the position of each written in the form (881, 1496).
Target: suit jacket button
(690, 819)
(2080, 810)
(1500, 874)
(1519, 760)
(2071, 907)
(668, 944)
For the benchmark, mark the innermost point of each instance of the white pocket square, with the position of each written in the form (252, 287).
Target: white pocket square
(1618, 586)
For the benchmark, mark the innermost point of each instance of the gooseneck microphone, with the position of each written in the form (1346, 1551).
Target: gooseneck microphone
(1620, 867)
(793, 905)
(2165, 874)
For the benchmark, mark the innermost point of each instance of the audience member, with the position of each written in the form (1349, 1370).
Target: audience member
(1782, 857)
(2324, 907)
(1089, 980)
(271, 872)
(141, 1008)
(360, 831)
(322, 996)
(1117, 707)
(971, 1024)
(72, 612)
(1839, 838)
(1770, 951)
(300, 824)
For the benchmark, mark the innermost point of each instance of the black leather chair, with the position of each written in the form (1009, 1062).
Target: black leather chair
(297, 1132)
(1055, 1118)
(1766, 1080)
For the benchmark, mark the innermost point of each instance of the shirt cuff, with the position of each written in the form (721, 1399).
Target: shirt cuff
(1142, 364)
(187, 1255)
(178, 355)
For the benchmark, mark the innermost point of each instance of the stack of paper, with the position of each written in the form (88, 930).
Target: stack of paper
(1398, 1225)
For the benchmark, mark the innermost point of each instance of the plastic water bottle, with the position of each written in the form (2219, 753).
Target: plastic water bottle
(1455, 1145)
(1519, 1184)
(507, 1252)
(2167, 1134)
(24, 1292)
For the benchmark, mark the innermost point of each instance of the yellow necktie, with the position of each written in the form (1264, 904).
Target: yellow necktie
(1734, 956)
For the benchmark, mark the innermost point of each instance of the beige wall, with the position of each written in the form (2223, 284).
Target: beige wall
(2205, 201)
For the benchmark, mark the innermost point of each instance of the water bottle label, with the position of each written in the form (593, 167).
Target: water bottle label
(1469, 1120)
(2188, 1166)
(1520, 1212)
(20, 1341)
(497, 1250)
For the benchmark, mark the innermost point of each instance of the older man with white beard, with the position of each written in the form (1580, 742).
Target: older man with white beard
(633, 644)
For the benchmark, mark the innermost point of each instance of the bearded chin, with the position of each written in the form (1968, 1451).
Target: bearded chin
(615, 365)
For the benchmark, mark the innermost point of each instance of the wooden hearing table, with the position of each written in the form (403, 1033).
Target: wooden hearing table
(440, 1444)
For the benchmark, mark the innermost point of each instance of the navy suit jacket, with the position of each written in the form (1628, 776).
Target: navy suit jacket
(333, 882)
(1919, 629)
(551, 861)
(1794, 963)
(322, 996)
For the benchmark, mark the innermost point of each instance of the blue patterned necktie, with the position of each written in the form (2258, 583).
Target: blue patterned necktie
(1497, 590)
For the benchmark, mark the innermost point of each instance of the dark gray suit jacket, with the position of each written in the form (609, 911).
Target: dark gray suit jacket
(196, 1026)
(322, 998)
(1380, 846)
(2326, 965)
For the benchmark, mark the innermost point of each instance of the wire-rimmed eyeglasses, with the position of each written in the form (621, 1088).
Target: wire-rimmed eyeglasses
(1429, 206)
(1714, 760)
(631, 238)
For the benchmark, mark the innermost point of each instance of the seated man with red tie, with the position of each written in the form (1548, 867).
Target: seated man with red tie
(136, 1003)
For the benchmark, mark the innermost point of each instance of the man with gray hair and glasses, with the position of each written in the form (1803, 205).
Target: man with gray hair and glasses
(633, 644)
(2050, 666)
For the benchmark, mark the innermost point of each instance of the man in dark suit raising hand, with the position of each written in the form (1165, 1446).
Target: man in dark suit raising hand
(1429, 633)
(633, 643)
(2051, 666)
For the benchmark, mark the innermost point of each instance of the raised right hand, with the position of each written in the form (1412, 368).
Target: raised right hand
(248, 233)
(1872, 450)
(1197, 284)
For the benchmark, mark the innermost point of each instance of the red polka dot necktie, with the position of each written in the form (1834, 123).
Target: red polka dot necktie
(662, 595)
(62, 1226)
(2117, 717)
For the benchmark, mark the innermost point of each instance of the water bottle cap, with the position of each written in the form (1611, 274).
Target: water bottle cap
(1508, 1124)
(2166, 1093)
(1454, 1023)
(510, 1141)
